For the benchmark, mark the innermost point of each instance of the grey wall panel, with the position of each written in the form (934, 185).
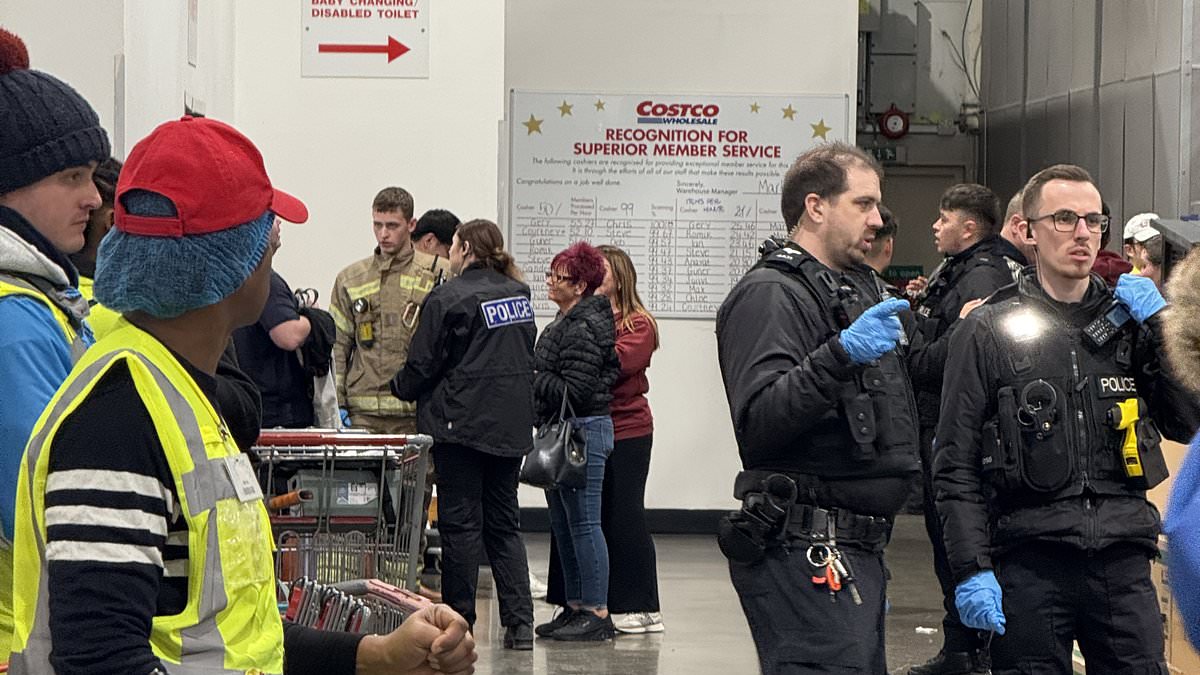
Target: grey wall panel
(1037, 134)
(1139, 146)
(1166, 144)
(1014, 56)
(993, 52)
(1004, 151)
(1041, 31)
(1084, 149)
(1193, 154)
(1168, 35)
(894, 80)
(1141, 37)
(1111, 176)
(1112, 42)
(1083, 43)
(1058, 130)
(1059, 51)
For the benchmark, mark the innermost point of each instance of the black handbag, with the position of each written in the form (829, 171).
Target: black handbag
(559, 456)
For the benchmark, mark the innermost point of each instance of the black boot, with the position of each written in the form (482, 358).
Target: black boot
(519, 637)
(954, 663)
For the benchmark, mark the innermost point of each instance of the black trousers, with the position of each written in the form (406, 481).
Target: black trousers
(957, 637)
(632, 561)
(477, 512)
(798, 628)
(1055, 593)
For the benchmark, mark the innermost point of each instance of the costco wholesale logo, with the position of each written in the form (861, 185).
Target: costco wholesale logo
(650, 112)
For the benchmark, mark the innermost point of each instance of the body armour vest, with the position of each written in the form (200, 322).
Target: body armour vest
(1060, 401)
(872, 431)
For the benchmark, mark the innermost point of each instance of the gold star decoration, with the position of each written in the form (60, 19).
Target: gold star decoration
(534, 124)
(789, 113)
(564, 109)
(819, 129)
(754, 107)
(599, 105)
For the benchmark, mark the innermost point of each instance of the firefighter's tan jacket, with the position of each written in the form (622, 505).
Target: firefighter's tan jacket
(376, 306)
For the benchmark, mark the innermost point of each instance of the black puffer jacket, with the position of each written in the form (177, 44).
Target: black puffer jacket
(577, 351)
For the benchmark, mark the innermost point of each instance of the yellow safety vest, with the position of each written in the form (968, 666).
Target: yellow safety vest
(231, 621)
(11, 286)
(102, 319)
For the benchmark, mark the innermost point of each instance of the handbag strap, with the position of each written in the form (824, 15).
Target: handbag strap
(566, 405)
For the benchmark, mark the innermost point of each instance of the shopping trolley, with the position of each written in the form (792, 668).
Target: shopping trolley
(347, 506)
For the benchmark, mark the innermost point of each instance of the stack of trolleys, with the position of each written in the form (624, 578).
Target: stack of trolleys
(345, 505)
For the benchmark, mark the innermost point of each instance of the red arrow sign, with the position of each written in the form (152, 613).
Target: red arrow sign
(394, 49)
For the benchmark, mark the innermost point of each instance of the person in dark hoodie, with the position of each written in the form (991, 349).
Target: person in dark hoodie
(978, 262)
(576, 358)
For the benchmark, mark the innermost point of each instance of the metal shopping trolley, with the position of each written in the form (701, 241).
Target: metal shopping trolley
(346, 505)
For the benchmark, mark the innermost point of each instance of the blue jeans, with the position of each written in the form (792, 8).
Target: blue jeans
(575, 521)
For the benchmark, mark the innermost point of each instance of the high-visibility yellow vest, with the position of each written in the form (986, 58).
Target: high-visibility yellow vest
(231, 621)
(102, 319)
(16, 286)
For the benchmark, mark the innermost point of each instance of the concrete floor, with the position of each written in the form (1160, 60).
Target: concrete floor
(706, 631)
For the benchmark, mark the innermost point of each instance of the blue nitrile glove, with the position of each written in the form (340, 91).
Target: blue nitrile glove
(345, 417)
(875, 333)
(1140, 295)
(978, 602)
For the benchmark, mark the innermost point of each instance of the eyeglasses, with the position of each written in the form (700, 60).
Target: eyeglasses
(557, 278)
(1065, 220)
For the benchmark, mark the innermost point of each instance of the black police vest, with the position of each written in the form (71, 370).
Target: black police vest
(873, 431)
(943, 279)
(1053, 436)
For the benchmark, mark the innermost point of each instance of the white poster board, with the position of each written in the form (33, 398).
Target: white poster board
(688, 185)
(364, 38)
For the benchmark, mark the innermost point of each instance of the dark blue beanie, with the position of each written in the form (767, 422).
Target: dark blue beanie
(45, 125)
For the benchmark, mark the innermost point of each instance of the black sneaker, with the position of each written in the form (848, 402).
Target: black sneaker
(561, 619)
(586, 627)
(954, 663)
(519, 637)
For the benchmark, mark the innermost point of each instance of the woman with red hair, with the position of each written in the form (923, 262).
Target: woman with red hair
(575, 357)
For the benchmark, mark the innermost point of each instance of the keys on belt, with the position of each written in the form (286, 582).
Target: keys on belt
(831, 570)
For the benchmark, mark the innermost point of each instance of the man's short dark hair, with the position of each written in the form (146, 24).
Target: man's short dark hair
(1031, 199)
(820, 171)
(394, 199)
(978, 203)
(440, 222)
(890, 225)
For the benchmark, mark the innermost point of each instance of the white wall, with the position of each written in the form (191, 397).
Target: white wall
(336, 142)
(683, 46)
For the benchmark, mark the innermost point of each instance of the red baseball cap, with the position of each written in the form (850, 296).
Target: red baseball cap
(211, 172)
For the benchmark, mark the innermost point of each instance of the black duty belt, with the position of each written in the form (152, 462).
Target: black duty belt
(812, 522)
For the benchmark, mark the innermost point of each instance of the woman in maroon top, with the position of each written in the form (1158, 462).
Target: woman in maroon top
(633, 571)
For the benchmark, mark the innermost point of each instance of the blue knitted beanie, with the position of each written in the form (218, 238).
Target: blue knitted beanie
(167, 276)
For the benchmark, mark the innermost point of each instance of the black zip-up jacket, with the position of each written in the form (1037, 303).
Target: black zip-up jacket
(1050, 468)
(786, 375)
(577, 351)
(975, 273)
(470, 364)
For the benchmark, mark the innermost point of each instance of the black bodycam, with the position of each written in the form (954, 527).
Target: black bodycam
(744, 535)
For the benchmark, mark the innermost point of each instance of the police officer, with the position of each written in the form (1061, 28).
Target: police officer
(825, 424)
(376, 307)
(470, 370)
(978, 261)
(1054, 398)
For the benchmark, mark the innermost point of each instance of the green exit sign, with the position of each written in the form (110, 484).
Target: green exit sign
(885, 154)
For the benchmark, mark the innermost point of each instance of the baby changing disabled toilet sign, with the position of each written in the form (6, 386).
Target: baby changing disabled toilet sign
(364, 38)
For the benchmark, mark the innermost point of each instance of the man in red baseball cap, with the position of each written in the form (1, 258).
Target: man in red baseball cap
(142, 543)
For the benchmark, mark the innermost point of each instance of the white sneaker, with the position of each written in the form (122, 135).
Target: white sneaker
(639, 622)
(537, 588)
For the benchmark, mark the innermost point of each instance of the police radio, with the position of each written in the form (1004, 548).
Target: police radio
(1104, 327)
